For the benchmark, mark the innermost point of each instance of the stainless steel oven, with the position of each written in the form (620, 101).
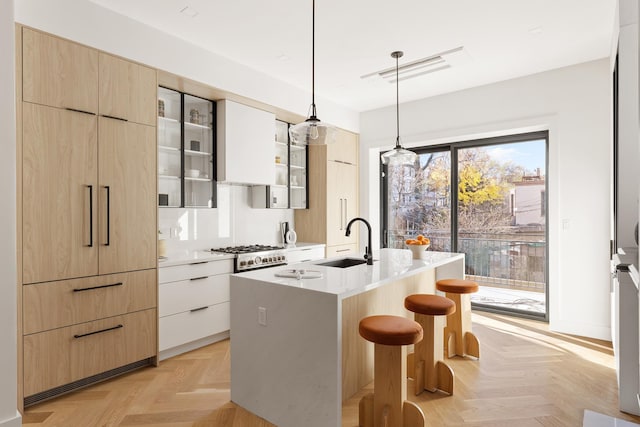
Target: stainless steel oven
(253, 257)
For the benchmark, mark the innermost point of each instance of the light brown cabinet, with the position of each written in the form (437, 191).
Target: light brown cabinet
(342, 202)
(63, 303)
(127, 90)
(333, 196)
(345, 149)
(59, 73)
(59, 194)
(87, 215)
(127, 199)
(64, 355)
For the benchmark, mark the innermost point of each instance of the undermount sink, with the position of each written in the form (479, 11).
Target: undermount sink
(344, 262)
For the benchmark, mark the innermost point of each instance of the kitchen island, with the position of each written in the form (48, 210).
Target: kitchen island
(296, 353)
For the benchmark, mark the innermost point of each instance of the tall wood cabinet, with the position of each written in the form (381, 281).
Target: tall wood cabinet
(333, 196)
(87, 215)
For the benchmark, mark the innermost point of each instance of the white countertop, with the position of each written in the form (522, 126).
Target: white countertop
(302, 245)
(189, 257)
(389, 265)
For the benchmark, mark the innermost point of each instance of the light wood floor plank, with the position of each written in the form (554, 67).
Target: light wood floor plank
(527, 377)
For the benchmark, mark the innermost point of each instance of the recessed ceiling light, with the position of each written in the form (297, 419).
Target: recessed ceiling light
(189, 11)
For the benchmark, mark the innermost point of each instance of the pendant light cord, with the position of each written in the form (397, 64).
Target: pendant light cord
(313, 60)
(397, 105)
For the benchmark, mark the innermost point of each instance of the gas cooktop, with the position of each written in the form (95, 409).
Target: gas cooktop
(246, 249)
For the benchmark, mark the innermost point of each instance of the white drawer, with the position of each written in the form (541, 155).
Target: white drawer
(185, 295)
(341, 250)
(189, 326)
(305, 254)
(193, 270)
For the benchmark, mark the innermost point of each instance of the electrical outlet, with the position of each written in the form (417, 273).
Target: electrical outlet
(262, 316)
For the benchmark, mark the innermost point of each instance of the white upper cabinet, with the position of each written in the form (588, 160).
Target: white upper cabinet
(245, 146)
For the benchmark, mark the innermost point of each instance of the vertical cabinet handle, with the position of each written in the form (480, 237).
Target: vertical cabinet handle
(90, 216)
(341, 216)
(346, 207)
(108, 242)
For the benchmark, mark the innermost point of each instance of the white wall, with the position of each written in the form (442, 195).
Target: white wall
(9, 417)
(233, 222)
(629, 124)
(90, 24)
(574, 104)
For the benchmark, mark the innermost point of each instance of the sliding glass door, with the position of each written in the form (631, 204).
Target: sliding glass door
(486, 199)
(419, 201)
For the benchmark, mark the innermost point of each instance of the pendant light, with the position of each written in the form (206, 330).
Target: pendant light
(312, 131)
(398, 156)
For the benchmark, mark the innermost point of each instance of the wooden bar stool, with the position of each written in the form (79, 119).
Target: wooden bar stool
(387, 405)
(429, 371)
(458, 338)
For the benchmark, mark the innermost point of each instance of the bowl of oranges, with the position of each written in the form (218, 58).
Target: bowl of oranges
(418, 246)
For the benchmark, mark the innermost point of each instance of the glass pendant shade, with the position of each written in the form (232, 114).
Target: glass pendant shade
(398, 156)
(312, 132)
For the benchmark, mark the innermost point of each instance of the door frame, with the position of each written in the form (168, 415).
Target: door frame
(453, 148)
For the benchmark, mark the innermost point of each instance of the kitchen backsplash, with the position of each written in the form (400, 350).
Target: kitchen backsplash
(234, 222)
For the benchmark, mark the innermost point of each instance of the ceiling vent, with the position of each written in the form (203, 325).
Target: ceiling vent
(439, 61)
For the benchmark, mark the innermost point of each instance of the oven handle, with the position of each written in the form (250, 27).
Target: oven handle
(237, 270)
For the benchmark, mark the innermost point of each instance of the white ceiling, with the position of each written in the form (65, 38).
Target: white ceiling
(502, 39)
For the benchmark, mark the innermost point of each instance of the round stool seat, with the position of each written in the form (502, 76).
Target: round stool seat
(457, 286)
(432, 305)
(390, 330)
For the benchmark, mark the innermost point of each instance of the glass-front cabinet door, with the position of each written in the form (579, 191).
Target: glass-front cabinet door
(169, 148)
(298, 177)
(279, 193)
(186, 150)
(198, 152)
(291, 183)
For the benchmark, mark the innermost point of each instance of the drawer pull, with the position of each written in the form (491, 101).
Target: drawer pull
(343, 250)
(199, 278)
(97, 287)
(114, 118)
(80, 111)
(198, 309)
(98, 332)
(196, 263)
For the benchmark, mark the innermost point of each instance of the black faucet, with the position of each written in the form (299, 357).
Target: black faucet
(368, 255)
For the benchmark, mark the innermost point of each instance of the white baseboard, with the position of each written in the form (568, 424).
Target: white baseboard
(600, 332)
(171, 352)
(595, 419)
(12, 422)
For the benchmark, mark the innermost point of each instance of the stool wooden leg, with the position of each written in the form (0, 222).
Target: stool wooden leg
(412, 415)
(472, 344)
(459, 325)
(389, 384)
(445, 377)
(365, 411)
(428, 356)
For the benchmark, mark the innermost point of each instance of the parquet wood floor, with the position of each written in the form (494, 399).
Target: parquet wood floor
(526, 377)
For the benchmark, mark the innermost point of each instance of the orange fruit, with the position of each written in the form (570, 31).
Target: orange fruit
(420, 237)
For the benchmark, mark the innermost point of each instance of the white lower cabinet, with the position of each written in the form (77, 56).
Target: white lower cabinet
(193, 325)
(304, 254)
(193, 305)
